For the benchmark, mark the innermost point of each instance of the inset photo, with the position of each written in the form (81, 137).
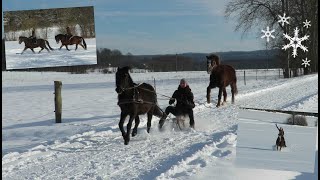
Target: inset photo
(49, 37)
(278, 141)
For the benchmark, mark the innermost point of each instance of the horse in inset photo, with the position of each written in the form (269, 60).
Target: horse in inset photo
(29, 43)
(77, 40)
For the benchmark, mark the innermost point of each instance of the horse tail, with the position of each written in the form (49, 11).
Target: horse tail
(235, 89)
(234, 86)
(49, 45)
(84, 43)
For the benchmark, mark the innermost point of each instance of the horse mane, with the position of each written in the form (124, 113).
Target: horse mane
(127, 69)
(20, 37)
(215, 58)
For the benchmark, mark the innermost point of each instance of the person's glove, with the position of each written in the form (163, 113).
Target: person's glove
(171, 101)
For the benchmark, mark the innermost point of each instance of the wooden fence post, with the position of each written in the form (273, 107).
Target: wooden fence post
(244, 74)
(57, 100)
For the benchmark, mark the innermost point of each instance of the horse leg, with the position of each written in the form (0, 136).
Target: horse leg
(67, 47)
(149, 121)
(224, 96)
(61, 46)
(159, 113)
(40, 50)
(122, 119)
(208, 93)
(136, 124)
(76, 46)
(25, 48)
(219, 97)
(82, 46)
(32, 50)
(46, 48)
(233, 91)
(127, 137)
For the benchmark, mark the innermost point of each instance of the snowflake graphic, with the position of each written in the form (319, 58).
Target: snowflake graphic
(267, 33)
(283, 19)
(307, 24)
(295, 42)
(306, 62)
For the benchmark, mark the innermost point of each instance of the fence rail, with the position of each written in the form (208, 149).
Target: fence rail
(282, 111)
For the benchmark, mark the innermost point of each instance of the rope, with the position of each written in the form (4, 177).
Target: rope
(147, 90)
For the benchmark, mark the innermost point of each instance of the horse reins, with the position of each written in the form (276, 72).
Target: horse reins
(139, 102)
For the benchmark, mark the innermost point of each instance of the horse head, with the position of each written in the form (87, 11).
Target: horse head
(123, 79)
(21, 39)
(212, 62)
(58, 38)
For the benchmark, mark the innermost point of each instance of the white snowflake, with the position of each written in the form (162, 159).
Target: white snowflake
(267, 33)
(295, 42)
(307, 24)
(283, 19)
(306, 62)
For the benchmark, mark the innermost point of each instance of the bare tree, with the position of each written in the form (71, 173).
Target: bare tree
(262, 13)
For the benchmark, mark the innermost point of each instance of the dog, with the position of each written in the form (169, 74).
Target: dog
(281, 142)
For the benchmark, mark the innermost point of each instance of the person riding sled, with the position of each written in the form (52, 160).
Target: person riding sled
(184, 105)
(33, 36)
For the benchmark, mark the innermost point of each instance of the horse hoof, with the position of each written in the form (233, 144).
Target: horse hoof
(134, 134)
(126, 143)
(161, 122)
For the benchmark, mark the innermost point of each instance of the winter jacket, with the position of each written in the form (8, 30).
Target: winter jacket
(184, 98)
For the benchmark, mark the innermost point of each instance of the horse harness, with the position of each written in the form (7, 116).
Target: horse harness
(136, 98)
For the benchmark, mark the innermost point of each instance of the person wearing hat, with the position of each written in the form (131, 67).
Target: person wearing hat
(184, 105)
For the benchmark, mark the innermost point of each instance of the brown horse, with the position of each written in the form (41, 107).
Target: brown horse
(220, 76)
(70, 41)
(29, 43)
(134, 100)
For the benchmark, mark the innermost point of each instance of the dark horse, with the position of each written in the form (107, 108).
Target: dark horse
(134, 100)
(281, 142)
(220, 76)
(28, 43)
(70, 41)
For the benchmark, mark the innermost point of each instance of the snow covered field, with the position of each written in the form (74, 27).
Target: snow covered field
(63, 57)
(256, 137)
(89, 145)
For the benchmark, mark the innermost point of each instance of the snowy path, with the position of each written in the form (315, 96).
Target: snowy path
(167, 154)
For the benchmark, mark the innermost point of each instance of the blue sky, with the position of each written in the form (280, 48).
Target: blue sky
(157, 27)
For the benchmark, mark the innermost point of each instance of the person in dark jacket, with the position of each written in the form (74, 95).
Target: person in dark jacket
(184, 104)
(68, 35)
(33, 36)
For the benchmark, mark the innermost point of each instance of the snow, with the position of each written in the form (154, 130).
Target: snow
(283, 19)
(88, 143)
(256, 146)
(63, 57)
(268, 33)
(295, 42)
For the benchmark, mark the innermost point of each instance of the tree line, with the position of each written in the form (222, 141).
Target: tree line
(46, 18)
(258, 13)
